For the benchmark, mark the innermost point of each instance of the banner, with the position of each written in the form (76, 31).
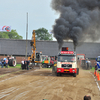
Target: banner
(5, 28)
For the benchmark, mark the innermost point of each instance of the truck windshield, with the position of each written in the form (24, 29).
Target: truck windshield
(63, 58)
(98, 59)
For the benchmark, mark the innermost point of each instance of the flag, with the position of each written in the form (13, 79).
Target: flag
(5, 28)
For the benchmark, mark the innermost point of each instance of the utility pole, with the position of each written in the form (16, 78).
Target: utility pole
(26, 34)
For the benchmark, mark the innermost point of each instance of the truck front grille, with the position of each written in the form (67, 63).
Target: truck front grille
(67, 65)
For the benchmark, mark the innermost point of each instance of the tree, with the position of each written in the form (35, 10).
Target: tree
(43, 34)
(10, 35)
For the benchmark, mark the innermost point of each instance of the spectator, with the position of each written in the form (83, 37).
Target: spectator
(22, 64)
(6, 63)
(27, 64)
(8, 59)
(2, 63)
(96, 67)
(87, 97)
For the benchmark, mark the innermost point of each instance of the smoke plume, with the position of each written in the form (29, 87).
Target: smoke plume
(79, 20)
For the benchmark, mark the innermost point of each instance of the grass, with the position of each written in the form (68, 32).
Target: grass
(17, 66)
(93, 69)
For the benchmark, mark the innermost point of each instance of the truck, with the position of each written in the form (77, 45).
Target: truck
(48, 61)
(53, 60)
(83, 62)
(66, 63)
(98, 63)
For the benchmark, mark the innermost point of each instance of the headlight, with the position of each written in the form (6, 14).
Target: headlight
(73, 70)
(59, 69)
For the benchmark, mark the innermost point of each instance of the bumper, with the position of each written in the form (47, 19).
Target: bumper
(70, 70)
(99, 68)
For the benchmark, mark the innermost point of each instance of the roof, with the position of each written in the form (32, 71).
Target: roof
(18, 47)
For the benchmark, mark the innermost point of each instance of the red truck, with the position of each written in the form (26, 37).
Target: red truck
(66, 63)
(83, 62)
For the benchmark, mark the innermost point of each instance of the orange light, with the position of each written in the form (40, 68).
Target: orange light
(67, 48)
(64, 48)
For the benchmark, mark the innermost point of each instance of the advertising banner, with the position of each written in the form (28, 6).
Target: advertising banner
(5, 28)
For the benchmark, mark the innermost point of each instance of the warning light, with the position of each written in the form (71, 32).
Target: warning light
(67, 48)
(64, 48)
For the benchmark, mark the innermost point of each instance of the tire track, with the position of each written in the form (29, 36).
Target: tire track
(17, 76)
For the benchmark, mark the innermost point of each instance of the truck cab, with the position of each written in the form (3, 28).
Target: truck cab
(98, 63)
(66, 63)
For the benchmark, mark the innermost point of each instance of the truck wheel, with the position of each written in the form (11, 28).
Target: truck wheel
(74, 75)
(12, 62)
(58, 74)
(77, 71)
(49, 66)
(44, 66)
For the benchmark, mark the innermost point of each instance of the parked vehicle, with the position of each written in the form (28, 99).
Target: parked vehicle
(98, 63)
(11, 61)
(83, 62)
(47, 61)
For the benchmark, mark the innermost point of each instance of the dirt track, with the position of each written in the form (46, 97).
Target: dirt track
(41, 84)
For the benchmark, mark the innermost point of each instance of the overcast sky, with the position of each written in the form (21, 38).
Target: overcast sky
(40, 14)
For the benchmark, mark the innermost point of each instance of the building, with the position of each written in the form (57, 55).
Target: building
(18, 48)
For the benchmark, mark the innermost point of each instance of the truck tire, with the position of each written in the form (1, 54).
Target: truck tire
(12, 62)
(44, 66)
(58, 74)
(74, 75)
(77, 71)
(48, 66)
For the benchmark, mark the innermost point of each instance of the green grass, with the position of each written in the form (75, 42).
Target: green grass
(92, 69)
(17, 66)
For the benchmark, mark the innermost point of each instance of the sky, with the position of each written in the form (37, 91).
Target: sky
(14, 13)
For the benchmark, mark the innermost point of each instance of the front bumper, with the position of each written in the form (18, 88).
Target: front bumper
(66, 70)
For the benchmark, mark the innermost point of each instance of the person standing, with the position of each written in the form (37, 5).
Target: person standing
(2, 63)
(6, 63)
(22, 64)
(27, 64)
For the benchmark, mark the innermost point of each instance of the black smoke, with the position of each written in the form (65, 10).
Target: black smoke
(79, 20)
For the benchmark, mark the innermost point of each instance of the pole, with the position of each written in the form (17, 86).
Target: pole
(26, 34)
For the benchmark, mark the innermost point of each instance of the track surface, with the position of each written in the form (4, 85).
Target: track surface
(42, 84)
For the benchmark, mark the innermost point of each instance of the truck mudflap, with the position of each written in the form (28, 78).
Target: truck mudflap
(65, 70)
